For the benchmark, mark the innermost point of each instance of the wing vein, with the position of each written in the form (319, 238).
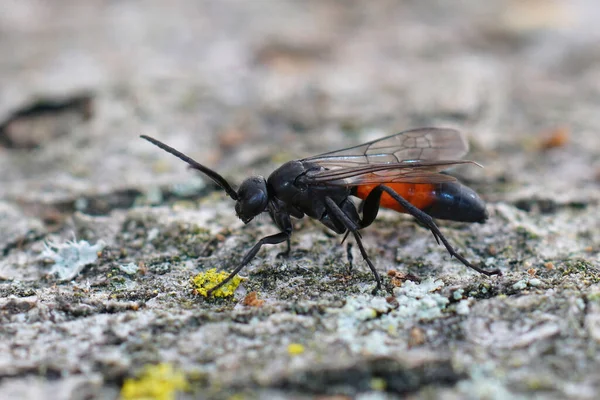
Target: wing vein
(417, 155)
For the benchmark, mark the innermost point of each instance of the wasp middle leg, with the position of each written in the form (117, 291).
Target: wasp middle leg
(353, 226)
(286, 253)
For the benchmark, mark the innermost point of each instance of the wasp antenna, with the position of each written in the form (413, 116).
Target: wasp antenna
(218, 179)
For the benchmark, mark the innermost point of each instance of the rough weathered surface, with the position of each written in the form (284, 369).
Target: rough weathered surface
(243, 86)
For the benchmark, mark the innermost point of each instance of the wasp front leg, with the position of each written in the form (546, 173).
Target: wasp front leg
(283, 222)
(273, 239)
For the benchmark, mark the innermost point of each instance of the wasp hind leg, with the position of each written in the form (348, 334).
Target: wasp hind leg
(353, 228)
(371, 208)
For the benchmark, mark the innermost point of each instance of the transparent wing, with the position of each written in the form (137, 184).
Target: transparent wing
(414, 156)
(406, 172)
(415, 144)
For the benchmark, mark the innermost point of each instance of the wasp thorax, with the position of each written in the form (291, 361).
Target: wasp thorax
(252, 198)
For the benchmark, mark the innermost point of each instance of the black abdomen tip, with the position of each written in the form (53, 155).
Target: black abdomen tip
(457, 202)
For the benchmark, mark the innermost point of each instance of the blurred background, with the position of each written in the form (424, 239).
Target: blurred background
(243, 86)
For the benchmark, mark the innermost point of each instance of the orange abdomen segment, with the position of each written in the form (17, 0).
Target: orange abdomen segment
(420, 195)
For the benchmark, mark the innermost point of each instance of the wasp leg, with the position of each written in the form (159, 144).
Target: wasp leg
(347, 233)
(372, 207)
(349, 255)
(273, 239)
(341, 216)
(286, 253)
(349, 249)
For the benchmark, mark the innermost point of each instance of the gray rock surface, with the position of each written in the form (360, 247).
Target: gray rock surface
(242, 87)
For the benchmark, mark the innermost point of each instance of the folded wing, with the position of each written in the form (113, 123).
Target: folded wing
(414, 156)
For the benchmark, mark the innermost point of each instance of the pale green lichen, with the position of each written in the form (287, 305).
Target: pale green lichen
(370, 325)
(463, 307)
(420, 301)
(484, 383)
(458, 294)
(520, 285)
(204, 281)
(70, 257)
(535, 282)
(129, 269)
(156, 382)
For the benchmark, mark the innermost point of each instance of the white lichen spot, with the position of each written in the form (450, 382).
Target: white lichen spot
(369, 325)
(354, 317)
(373, 395)
(70, 257)
(379, 304)
(374, 344)
(152, 234)
(458, 294)
(129, 269)
(520, 285)
(463, 307)
(484, 384)
(419, 300)
(535, 282)
(363, 308)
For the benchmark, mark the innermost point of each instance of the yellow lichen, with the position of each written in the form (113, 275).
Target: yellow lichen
(378, 384)
(156, 382)
(204, 281)
(295, 349)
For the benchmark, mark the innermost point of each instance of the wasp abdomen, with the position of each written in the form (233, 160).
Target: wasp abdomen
(451, 200)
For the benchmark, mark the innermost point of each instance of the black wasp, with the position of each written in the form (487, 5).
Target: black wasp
(402, 172)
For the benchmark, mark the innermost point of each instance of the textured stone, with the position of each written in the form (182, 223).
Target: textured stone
(242, 87)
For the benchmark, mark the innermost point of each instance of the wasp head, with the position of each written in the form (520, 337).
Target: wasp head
(252, 198)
